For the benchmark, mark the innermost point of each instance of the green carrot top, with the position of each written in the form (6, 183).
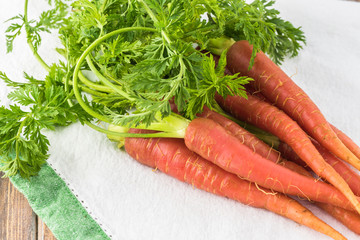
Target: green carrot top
(143, 54)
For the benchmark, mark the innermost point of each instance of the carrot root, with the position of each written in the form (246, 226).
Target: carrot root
(172, 157)
(271, 119)
(348, 142)
(348, 218)
(276, 86)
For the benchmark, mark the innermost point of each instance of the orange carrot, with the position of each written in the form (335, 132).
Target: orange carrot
(350, 176)
(214, 143)
(266, 151)
(350, 219)
(251, 140)
(250, 90)
(172, 157)
(289, 154)
(348, 142)
(275, 85)
(345, 171)
(243, 135)
(271, 119)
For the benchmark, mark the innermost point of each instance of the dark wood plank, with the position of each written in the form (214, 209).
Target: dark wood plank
(17, 220)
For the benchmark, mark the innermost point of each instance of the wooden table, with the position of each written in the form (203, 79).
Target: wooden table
(17, 220)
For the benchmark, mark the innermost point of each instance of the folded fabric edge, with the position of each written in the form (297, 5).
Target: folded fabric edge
(57, 206)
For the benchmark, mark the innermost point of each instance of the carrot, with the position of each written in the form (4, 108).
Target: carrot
(250, 90)
(351, 177)
(350, 219)
(247, 138)
(275, 85)
(273, 120)
(345, 171)
(243, 135)
(172, 157)
(251, 140)
(214, 143)
(348, 142)
(271, 154)
(289, 154)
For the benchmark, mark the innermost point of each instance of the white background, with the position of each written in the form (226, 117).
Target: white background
(132, 201)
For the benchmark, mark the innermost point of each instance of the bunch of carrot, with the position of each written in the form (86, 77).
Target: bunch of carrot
(219, 156)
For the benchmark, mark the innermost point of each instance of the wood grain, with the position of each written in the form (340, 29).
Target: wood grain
(44, 232)
(17, 220)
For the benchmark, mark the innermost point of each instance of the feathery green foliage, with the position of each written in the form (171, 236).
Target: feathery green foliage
(123, 61)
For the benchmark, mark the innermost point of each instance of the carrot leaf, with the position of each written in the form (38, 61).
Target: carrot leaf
(214, 81)
(122, 62)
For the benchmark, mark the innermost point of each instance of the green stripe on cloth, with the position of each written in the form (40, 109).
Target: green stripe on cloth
(56, 205)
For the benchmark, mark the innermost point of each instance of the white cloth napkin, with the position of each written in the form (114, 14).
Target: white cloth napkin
(135, 202)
